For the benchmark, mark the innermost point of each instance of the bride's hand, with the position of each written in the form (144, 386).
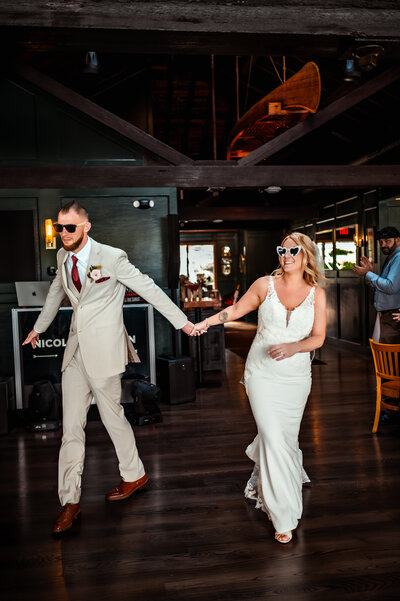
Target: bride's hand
(199, 328)
(282, 351)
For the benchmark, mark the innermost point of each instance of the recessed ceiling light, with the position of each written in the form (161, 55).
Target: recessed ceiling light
(273, 189)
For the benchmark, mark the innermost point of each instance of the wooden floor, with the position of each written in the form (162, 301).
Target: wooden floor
(191, 536)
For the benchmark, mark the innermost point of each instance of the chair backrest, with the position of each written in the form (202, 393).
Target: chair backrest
(386, 360)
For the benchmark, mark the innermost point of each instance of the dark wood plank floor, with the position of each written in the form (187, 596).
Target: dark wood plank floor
(191, 536)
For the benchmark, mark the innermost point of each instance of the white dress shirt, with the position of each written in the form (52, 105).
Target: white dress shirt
(83, 260)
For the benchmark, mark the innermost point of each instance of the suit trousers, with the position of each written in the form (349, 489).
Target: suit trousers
(390, 329)
(78, 388)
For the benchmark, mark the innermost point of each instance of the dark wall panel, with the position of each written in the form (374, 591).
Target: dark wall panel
(332, 313)
(261, 253)
(17, 246)
(8, 300)
(350, 310)
(143, 234)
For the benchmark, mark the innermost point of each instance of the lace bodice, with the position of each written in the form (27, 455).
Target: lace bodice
(276, 325)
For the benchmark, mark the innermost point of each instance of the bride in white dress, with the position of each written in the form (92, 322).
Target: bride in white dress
(291, 323)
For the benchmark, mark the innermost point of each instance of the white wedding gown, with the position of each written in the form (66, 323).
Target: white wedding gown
(278, 392)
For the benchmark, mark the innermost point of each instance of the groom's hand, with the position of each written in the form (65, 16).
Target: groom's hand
(32, 338)
(200, 328)
(188, 328)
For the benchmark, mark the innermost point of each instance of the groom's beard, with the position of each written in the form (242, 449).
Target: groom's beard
(73, 245)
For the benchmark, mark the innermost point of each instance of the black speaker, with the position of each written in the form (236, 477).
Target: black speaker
(10, 386)
(144, 409)
(175, 377)
(44, 407)
(173, 252)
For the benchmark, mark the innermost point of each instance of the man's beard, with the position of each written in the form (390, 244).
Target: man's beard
(73, 245)
(388, 250)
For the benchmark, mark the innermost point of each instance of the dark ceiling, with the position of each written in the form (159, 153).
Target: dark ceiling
(165, 87)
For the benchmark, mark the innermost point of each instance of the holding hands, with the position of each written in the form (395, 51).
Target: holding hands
(197, 329)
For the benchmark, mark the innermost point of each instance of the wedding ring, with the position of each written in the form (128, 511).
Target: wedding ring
(282, 354)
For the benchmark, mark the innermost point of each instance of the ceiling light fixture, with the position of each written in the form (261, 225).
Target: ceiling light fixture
(350, 71)
(91, 63)
(215, 190)
(273, 189)
(367, 56)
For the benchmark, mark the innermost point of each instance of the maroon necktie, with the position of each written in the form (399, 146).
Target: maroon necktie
(75, 273)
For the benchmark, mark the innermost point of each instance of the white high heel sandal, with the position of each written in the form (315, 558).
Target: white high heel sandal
(289, 536)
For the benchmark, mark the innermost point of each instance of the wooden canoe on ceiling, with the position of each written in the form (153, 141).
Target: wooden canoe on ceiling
(279, 110)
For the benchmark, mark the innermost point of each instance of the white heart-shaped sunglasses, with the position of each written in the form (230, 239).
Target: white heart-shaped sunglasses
(293, 250)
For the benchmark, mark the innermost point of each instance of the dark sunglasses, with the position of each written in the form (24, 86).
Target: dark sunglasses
(293, 250)
(70, 227)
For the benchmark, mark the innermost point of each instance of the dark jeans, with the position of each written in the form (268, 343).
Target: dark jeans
(390, 329)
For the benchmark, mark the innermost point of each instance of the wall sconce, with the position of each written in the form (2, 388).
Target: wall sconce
(358, 240)
(226, 260)
(143, 203)
(350, 71)
(51, 241)
(215, 190)
(91, 63)
(367, 56)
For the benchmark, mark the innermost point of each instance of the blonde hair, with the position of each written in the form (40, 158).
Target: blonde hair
(313, 274)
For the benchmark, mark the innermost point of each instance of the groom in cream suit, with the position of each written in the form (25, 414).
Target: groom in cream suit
(93, 277)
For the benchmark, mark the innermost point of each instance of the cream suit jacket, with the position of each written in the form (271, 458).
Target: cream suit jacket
(97, 322)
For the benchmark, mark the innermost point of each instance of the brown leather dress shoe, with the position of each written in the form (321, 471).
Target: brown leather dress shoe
(125, 489)
(65, 520)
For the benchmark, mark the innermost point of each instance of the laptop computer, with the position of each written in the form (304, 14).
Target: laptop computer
(31, 294)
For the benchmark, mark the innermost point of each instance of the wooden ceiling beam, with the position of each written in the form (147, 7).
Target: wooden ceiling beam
(313, 122)
(197, 177)
(246, 213)
(368, 19)
(42, 39)
(99, 114)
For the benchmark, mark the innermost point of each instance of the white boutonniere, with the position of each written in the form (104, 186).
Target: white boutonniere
(94, 273)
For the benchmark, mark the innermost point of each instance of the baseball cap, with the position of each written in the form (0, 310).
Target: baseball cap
(388, 232)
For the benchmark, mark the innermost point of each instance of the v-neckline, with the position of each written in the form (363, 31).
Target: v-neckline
(281, 303)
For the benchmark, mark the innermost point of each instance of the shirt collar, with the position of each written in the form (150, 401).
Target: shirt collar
(84, 253)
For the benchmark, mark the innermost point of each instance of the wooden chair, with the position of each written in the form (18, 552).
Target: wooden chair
(387, 368)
